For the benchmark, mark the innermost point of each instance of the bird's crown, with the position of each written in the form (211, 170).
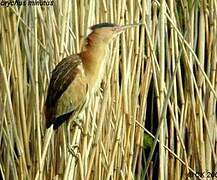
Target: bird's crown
(101, 25)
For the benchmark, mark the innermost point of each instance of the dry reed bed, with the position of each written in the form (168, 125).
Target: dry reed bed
(161, 80)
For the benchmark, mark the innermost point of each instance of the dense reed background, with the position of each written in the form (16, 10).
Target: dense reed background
(155, 115)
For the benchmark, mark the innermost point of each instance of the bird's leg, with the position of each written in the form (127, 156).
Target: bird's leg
(75, 122)
(68, 132)
(71, 146)
(78, 122)
(72, 150)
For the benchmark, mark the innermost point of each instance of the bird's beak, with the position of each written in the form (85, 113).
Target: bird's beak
(120, 29)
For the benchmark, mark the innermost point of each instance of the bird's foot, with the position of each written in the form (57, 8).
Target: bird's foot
(79, 123)
(74, 150)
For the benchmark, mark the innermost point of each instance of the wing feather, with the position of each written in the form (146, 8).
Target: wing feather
(62, 76)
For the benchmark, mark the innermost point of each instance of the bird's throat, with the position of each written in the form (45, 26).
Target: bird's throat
(94, 61)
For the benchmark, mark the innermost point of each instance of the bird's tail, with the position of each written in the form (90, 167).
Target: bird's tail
(61, 119)
(49, 115)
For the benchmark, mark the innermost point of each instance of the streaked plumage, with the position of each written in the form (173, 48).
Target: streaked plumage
(76, 76)
(63, 95)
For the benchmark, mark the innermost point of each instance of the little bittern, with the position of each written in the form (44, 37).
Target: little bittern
(79, 74)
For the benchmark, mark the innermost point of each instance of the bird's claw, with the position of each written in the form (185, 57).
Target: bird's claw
(78, 123)
(72, 150)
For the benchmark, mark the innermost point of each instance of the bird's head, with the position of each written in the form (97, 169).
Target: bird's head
(107, 31)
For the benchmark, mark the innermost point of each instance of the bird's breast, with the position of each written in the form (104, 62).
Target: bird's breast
(95, 67)
(100, 71)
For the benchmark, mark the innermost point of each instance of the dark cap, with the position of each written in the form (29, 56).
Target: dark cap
(101, 25)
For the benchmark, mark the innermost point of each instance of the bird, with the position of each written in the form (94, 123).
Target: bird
(78, 76)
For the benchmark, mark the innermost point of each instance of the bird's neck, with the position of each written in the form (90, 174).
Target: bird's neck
(94, 55)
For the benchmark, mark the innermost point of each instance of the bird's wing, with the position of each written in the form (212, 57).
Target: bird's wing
(66, 73)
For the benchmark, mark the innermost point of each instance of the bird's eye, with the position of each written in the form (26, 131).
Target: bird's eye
(114, 29)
